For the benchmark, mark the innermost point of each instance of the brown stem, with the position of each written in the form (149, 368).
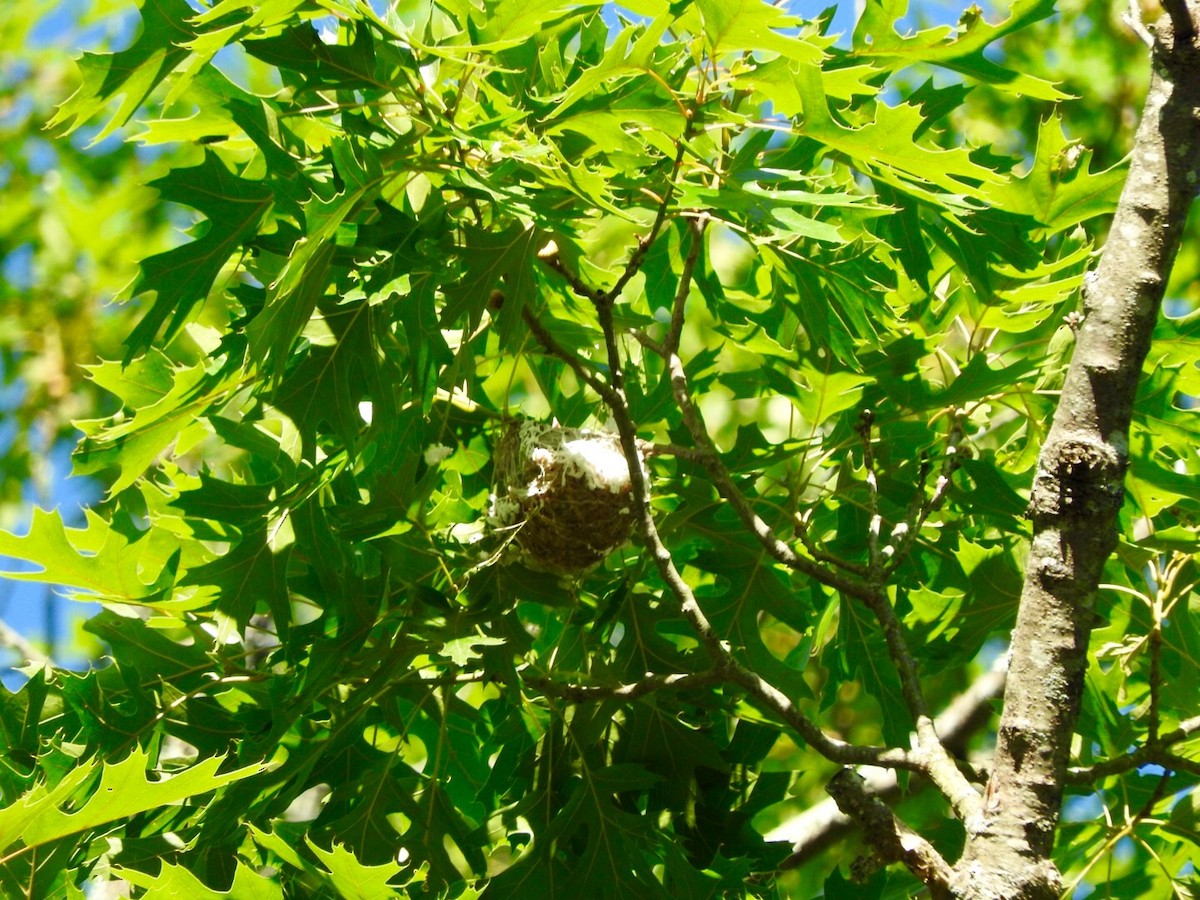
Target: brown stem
(671, 344)
(584, 693)
(549, 256)
(646, 242)
(940, 767)
(816, 828)
(901, 544)
(711, 460)
(1153, 751)
(723, 662)
(552, 347)
(801, 531)
(889, 838)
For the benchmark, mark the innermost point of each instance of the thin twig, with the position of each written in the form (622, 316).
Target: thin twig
(1154, 649)
(874, 567)
(555, 349)
(1132, 17)
(698, 225)
(943, 770)
(821, 824)
(649, 448)
(930, 757)
(550, 258)
(13, 639)
(634, 265)
(904, 536)
(940, 767)
(710, 459)
(911, 521)
(801, 521)
(584, 693)
(1156, 753)
(719, 652)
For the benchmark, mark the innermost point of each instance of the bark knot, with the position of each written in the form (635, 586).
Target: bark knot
(1079, 476)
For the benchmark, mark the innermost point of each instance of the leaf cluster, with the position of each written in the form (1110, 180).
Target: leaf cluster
(329, 672)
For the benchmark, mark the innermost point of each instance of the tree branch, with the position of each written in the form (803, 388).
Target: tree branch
(646, 242)
(711, 461)
(1079, 485)
(889, 838)
(930, 757)
(550, 258)
(724, 665)
(699, 225)
(1155, 751)
(584, 693)
(904, 539)
(880, 604)
(770, 697)
(551, 346)
(819, 826)
(1133, 18)
(10, 637)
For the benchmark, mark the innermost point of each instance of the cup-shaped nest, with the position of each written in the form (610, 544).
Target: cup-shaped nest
(564, 492)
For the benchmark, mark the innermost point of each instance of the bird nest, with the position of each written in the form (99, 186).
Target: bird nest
(564, 493)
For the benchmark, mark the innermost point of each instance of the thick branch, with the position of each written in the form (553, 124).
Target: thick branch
(889, 838)
(819, 826)
(1078, 486)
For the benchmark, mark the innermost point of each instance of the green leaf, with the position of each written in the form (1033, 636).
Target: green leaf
(620, 62)
(512, 22)
(745, 25)
(181, 278)
(166, 403)
(862, 654)
(495, 260)
(174, 882)
(250, 576)
(327, 66)
(748, 584)
(160, 47)
(960, 50)
(610, 862)
(292, 299)
(354, 881)
(38, 817)
(348, 369)
(1059, 190)
(889, 143)
(96, 558)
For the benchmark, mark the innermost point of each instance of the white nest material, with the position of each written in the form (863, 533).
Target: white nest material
(564, 493)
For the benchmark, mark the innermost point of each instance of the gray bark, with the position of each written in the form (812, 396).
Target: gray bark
(1078, 487)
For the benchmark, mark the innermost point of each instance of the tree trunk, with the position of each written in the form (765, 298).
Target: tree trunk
(1078, 488)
